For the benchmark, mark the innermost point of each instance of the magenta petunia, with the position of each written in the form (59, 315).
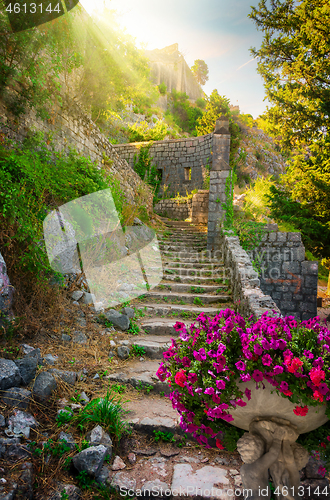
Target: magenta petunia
(179, 326)
(247, 393)
(221, 384)
(277, 370)
(258, 349)
(267, 360)
(257, 375)
(240, 365)
(283, 386)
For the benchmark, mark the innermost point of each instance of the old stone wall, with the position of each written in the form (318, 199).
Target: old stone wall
(70, 126)
(286, 275)
(174, 210)
(247, 294)
(6, 295)
(200, 207)
(181, 161)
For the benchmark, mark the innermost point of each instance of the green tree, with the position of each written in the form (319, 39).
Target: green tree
(216, 106)
(200, 71)
(295, 65)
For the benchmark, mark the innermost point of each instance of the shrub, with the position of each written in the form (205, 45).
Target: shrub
(162, 88)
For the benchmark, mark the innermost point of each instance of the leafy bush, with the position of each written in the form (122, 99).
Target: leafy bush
(162, 88)
(141, 132)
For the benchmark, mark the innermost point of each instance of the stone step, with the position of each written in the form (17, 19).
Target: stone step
(192, 257)
(152, 413)
(153, 345)
(174, 310)
(140, 374)
(194, 280)
(192, 265)
(186, 298)
(181, 271)
(161, 326)
(181, 245)
(184, 288)
(183, 237)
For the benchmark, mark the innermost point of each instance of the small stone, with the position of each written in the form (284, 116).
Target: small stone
(88, 298)
(129, 311)
(123, 352)
(76, 295)
(71, 491)
(204, 460)
(26, 348)
(146, 453)
(122, 481)
(169, 453)
(190, 460)
(17, 397)
(96, 376)
(90, 460)
(20, 424)
(131, 458)
(2, 421)
(66, 376)
(27, 368)
(119, 320)
(50, 359)
(124, 342)
(111, 354)
(43, 386)
(103, 476)
(69, 439)
(9, 374)
(221, 461)
(98, 436)
(238, 480)
(83, 398)
(112, 343)
(66, 338)
(118, 464)
(80, 338)
(233, 472)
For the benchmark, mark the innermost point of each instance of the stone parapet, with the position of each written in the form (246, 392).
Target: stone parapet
(182, 162)
(200, 207)
(174, 210)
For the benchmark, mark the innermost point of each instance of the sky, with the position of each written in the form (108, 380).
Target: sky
(217, 31)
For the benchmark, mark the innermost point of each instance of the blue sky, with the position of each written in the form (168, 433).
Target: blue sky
(217, 31)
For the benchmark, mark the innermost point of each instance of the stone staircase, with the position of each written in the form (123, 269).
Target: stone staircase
(193, 282)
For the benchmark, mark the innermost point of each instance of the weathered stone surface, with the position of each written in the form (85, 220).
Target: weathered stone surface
(6, 295)
(17, 397)
(200, 483)
(67, 376)
(90, 460)
(98, 436)
(27, 368)
(129, 311)
(119, 320)
(123, 482)
(88, 298)
(66, 338)
(123, 352)
(312, 468)
(68, 438)
(265, 404)
(20, 424)
(103, 476)
(131, 457)
(118, 464)
(9, 374)
(43, 386)
(156, 488)
(76, 295)
(80, 338)
(72, 492)
(50, 359)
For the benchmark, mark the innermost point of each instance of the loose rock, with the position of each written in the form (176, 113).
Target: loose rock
(44, 385)
(118, 464)
(17, 397)
(90, 460)
(119, 320)
(9, 374)
(123, 352)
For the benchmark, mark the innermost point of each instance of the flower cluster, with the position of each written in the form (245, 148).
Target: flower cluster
(205, 364)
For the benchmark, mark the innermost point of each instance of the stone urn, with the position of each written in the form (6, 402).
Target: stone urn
(270, 448)
(267, 403)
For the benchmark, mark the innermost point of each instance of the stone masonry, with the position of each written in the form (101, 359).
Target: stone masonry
(200, 207)
(6, 295)
(220, 170)
(174, 210)
(181, 161)
(286, 275)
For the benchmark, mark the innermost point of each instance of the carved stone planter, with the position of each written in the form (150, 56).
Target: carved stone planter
(265, 404)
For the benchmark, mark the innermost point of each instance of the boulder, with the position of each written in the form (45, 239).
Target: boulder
(16, 397)
(67, 376)
(6, 295)
(129, 311)
(90, 460)
(27, 367)
(98, 436)
(9, 374)
(44, 385)
(20, 424)
(119, 320)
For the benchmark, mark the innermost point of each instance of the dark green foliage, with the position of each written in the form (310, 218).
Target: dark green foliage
(148, 172)
(162, 88)
(200, 71)
(36, 180)
(315, 230)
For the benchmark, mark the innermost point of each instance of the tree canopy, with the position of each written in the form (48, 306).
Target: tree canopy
(200, 71)
(294, 62)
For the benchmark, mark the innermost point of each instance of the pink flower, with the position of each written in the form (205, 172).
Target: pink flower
(192, 377)
(180, 378)
(257, 375)
(267, 360)
(316, 375)
(257, 349)
(248, 393)
(240, 365)
(179, 326)
(283, 386)
(300, 410)
(278, 370)
(221, 384)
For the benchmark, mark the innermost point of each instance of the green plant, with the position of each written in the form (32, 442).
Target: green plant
(162, 88)
(64, 495)
(167, 437)
(107, 412)
(85, 481)
(64, 417)
(134, 328)
(138, 350)
(118, 388)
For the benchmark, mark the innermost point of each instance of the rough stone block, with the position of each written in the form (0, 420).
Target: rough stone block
(309, 267)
